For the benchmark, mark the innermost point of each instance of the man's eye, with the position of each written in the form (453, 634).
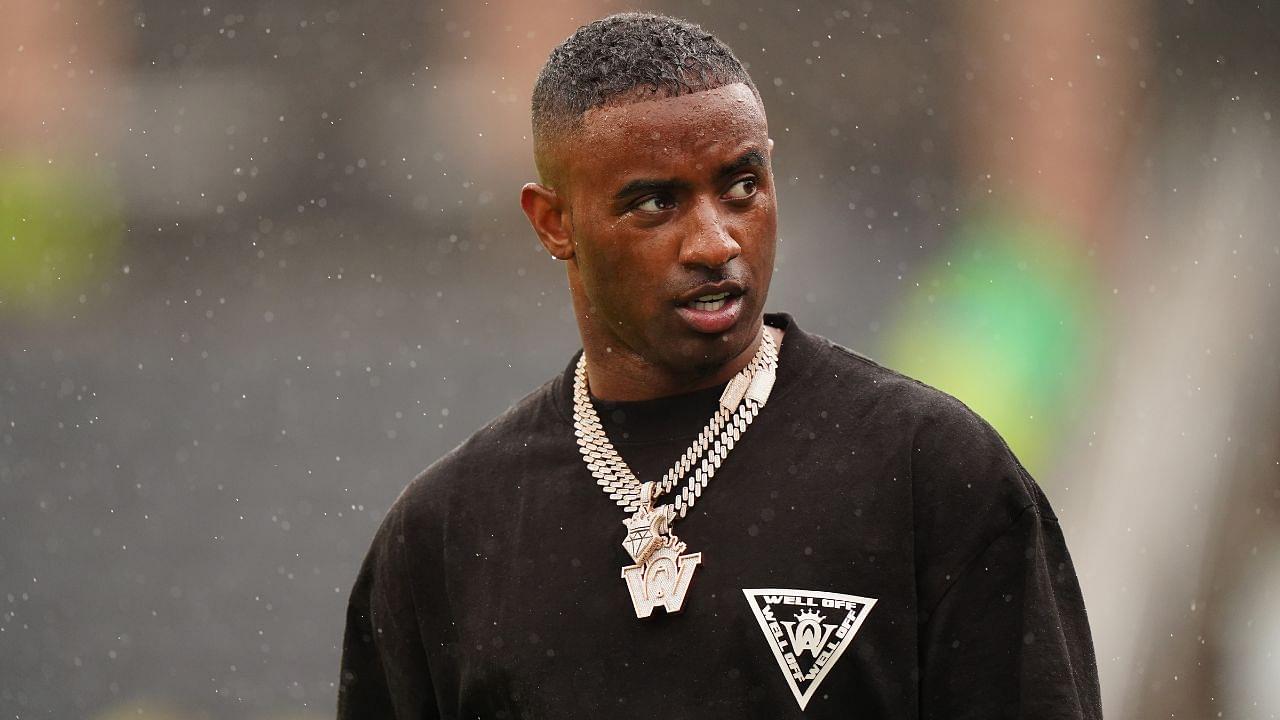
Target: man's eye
(744, 188)
(657, 203)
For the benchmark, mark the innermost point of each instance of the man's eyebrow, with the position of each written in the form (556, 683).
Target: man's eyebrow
(750, 158)
(649, 185)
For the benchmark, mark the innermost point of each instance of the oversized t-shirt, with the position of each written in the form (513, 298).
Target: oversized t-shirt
(870, 548)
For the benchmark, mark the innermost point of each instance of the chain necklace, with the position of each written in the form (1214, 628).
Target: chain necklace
(661, 574)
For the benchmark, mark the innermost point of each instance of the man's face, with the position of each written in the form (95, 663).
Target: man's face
(672, 200)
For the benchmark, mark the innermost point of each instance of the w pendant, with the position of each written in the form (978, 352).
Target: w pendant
(661, 574)
(662, 579)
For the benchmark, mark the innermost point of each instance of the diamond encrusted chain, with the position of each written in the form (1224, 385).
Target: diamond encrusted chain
(740, 402)
(662, 571)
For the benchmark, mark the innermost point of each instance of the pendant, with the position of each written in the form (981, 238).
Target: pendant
(661, 575)
(662, 580)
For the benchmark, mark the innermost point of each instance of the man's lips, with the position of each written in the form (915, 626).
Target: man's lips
(712, 317)
(732, 287)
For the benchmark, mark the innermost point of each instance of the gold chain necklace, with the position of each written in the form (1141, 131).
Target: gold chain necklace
(661, 574)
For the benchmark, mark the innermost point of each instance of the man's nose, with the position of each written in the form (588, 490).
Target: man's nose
(708, 242)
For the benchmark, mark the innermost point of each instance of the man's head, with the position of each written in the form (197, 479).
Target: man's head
(654, 155)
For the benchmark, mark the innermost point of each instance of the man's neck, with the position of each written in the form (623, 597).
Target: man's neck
(629, 377)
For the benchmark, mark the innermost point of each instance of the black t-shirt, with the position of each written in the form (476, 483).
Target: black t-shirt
(870, 547)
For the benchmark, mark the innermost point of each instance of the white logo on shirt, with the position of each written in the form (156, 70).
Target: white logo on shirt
(795, 624)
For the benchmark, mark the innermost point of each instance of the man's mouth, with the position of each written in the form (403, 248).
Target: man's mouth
(709, 303)
(713, 310)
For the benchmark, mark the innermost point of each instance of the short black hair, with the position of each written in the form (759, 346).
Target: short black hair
(625, 54)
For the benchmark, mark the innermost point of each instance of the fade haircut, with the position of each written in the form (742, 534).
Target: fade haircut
(626, 57)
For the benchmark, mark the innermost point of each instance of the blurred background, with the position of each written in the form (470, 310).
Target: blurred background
(260, 263)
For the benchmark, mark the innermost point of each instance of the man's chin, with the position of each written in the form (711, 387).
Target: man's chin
(701, 354)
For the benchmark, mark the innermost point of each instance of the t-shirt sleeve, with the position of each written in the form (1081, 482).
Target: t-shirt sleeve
(384, 672)
(1009, 637)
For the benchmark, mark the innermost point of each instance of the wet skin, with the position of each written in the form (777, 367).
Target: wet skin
(653, 203)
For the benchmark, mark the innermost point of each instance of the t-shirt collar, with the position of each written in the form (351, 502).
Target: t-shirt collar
(677, 417)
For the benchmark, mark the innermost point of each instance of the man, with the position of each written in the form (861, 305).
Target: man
(869, 547)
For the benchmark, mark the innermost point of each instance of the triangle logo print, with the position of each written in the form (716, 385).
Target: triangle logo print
(807, 630)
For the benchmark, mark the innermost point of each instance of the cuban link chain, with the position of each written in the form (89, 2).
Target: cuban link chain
(662, 574)
(740, 402)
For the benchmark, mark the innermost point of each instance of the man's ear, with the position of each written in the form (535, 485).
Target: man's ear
(548, 215)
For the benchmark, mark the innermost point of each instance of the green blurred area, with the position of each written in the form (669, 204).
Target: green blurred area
(58, 228)
(1007, 321)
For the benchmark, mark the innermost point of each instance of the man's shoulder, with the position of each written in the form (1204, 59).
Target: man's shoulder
(967, 486)
(533, 426)
(866, 385)
(953, 449)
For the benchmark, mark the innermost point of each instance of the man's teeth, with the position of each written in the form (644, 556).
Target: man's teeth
(709, 303)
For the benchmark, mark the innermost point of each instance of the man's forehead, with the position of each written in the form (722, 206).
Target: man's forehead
(710, 125)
